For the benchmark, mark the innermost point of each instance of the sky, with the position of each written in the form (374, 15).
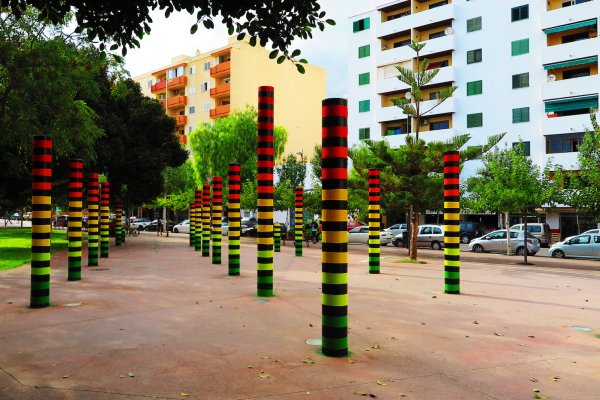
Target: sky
(171, 37)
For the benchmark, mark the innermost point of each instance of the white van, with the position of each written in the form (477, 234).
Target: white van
(540, 230)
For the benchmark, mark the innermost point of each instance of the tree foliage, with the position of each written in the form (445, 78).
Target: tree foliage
(291, 173)
(124, 23)
(179, 187)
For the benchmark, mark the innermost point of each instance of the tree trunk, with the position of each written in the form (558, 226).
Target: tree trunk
(525, 250)
(507, 227)
(414, 230)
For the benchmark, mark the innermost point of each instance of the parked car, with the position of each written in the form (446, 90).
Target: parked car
(427, 236)
(397, 229)
(360, 234)
(224, 228)
(62, 221)
(469, 231)
(586, 245)
(353, 224)
(182, 227)
(248, 226)
(495, 242)
(592, 231)
(540, 230)
(140, 223)
(153, 226)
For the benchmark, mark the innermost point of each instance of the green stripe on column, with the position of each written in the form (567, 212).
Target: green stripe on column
(277, 237)
(74, 221)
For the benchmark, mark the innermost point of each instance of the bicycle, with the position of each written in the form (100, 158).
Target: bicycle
(132, 231)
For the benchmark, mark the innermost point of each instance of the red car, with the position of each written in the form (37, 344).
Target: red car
(354, 224)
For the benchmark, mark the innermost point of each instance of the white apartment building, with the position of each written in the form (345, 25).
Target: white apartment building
(525, 67)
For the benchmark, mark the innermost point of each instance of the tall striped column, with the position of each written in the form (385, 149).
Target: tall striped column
(299, 220)
(334, 176)
(217, 216)
(198, 223)
(193, 225)
(104, 222)
(93, 203)
(205, 220)
(452, 222)
(41, 224)
(124, 228)
(374, 220)
(234, 217)
(277, 237)
(118, 222)
(74, 221)
(265, 151)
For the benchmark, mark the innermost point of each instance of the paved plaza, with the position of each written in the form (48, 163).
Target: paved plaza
(156, 320)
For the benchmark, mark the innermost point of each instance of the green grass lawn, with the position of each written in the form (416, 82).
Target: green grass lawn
(15, 246)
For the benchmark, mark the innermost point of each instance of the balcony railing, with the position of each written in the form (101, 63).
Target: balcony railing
(220, 111)
(177, 101)
(158, 87)
(221, 69)
(177, 82)
(220, 90)
(181, 120)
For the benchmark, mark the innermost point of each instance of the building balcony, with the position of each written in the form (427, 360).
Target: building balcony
(393, 113)
(569, 161)
(568, 15)
(222, 90)
(394, 55)
(158, 87)
(393, 84)
(569, 124)
(399, 140)
(438, 45)
(570, 51)
(183, 139)
(220, 111)
(222, 69)
(177, 82)
(177, 101)
(415, 20)
(570, 87)
(181, 120)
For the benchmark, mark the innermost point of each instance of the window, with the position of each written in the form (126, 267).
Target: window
(520, 80)
(434, 95)
(361, 25)
(192, 110)
(206, 106)
(575, 37)
(364, 79)
(520, 115)
(191, 89)
(191, 70)
(150, 83)
(475, 87)
(519, 13)
(402, 43)
(207, 65)
(364, 106)
(474, 56)
(519, 47)
(436, 35)
(437, 125)
(576, 73)
(526, 147)
(364, 133)
(474, 120)
(567, 143)
(204, 86)
(190, 129)
(364, 51)
(436, 65)
(437, 231)
(393, 130)
(474, 24)
(438, 4)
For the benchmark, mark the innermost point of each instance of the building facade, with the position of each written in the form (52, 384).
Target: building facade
(527, 68)
(200, 88)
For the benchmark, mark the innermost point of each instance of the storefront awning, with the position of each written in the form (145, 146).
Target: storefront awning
(574, 103)
(571, 63)
(568, 27)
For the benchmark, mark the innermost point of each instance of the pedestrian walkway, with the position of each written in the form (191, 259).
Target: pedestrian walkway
(157, 320)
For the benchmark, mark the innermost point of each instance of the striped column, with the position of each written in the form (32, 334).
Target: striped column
(118, 222)
(217, 216)
(104, 222)
(198, 223)
(374, 220)
(335, 235)
(74, 221)
(266, 100)
(193, 225)
(234, 217)
(41, 224)
(299, 220)
(277, 237)
(205, 220)
(452, 222)
(93, 203)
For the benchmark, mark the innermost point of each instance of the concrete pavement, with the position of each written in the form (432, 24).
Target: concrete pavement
(156, 320)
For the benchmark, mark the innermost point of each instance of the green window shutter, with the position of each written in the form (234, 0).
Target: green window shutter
(364, 106)
(355, 26)
(526, 147)
(520, 115)
(474, 56)
(520, 80)
(364, 133)
(519, 47)
(364, 79)
(474, 24)
(367, 23)
(475, 87)
(474, 120)
(364, 51)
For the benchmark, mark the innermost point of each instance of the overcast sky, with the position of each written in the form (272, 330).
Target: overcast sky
(328, 49)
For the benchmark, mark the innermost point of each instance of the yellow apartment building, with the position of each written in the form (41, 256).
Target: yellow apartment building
(200, 88)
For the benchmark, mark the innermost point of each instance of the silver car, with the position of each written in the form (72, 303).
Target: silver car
(396, 229)
(427, 236)
(360, 234)
(495, 242)
(581, 246)
(182, 227)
